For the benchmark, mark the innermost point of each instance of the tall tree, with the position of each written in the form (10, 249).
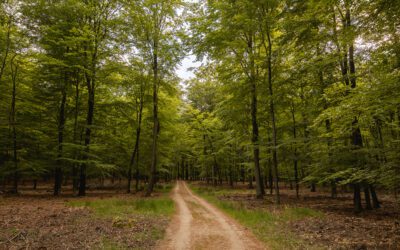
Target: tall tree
(96, 25)
(155, 25)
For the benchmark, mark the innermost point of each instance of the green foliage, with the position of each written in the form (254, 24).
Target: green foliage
(326, 76)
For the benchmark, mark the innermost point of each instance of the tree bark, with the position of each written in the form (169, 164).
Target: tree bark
(367, 196)
(254, 122)
(137, 143)
(357, 198)
(351, 52)
(156, 125)
(375, 201)
(137, 174)
(14, 72)
(295, 162)
(61, 125)
(75, 180)
(7, 51)
(273, 120)
(89, 122)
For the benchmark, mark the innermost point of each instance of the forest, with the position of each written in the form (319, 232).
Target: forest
(282, 103)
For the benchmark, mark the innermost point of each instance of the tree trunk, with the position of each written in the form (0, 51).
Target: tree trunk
(351, 52)
(356, 136)
(89, 122)
(375, 201)
(313, 187)
(270, 178)
(214, 170)
(230, 170)
(179, 171)
(137, 143)
(8, 44)
(75, 179)
(273, 121)
(295, 162)
(137, 174)
(61, 125)
(14, 72)
(333, 189)
(131, 162)
(187, 170)
(156, 125)
(367, 196)
(254, 122)
(250, 176)
(357, 198)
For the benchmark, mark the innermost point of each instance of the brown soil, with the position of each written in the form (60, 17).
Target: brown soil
(199, 225)
(35, 220)
(340, 227)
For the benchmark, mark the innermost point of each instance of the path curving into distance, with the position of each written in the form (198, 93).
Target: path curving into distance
(199, 225)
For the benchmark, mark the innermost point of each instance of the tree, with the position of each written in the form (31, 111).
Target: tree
(154, 25)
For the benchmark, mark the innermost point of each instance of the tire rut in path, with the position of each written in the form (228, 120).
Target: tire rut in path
(199, 225)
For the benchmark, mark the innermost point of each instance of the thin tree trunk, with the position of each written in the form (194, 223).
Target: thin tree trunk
(232, 166)
(295, 162)
(351, 52)
(270, 177)
(250, 176)
(356, 132)
(90, 75)
(178, 167)
(14, 72)
(204, 159)
(254, 122)
(75, 180)
(375, 201)
(273, 121)
(61, 124)
(7, 51)
(357, 198)
(89, 122)
(137, 141)
(156, 125)
(367, 196)
(137, 174)
(214, 170)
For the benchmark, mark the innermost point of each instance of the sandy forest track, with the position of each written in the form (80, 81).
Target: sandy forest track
(199, 225)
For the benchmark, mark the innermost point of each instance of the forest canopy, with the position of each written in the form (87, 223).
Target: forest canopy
(305, 93)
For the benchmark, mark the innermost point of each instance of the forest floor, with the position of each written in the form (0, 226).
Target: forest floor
(199, 225)
(102, 220)
(112, 219)
(314, 221)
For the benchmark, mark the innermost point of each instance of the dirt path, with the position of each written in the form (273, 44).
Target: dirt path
(199, 225)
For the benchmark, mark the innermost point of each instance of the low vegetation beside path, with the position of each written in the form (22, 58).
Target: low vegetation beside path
(314, 221)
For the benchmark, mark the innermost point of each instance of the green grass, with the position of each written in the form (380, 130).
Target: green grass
(164, 188)
(118, 207)
(107, 244)
(122, 211)
(269, 227)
